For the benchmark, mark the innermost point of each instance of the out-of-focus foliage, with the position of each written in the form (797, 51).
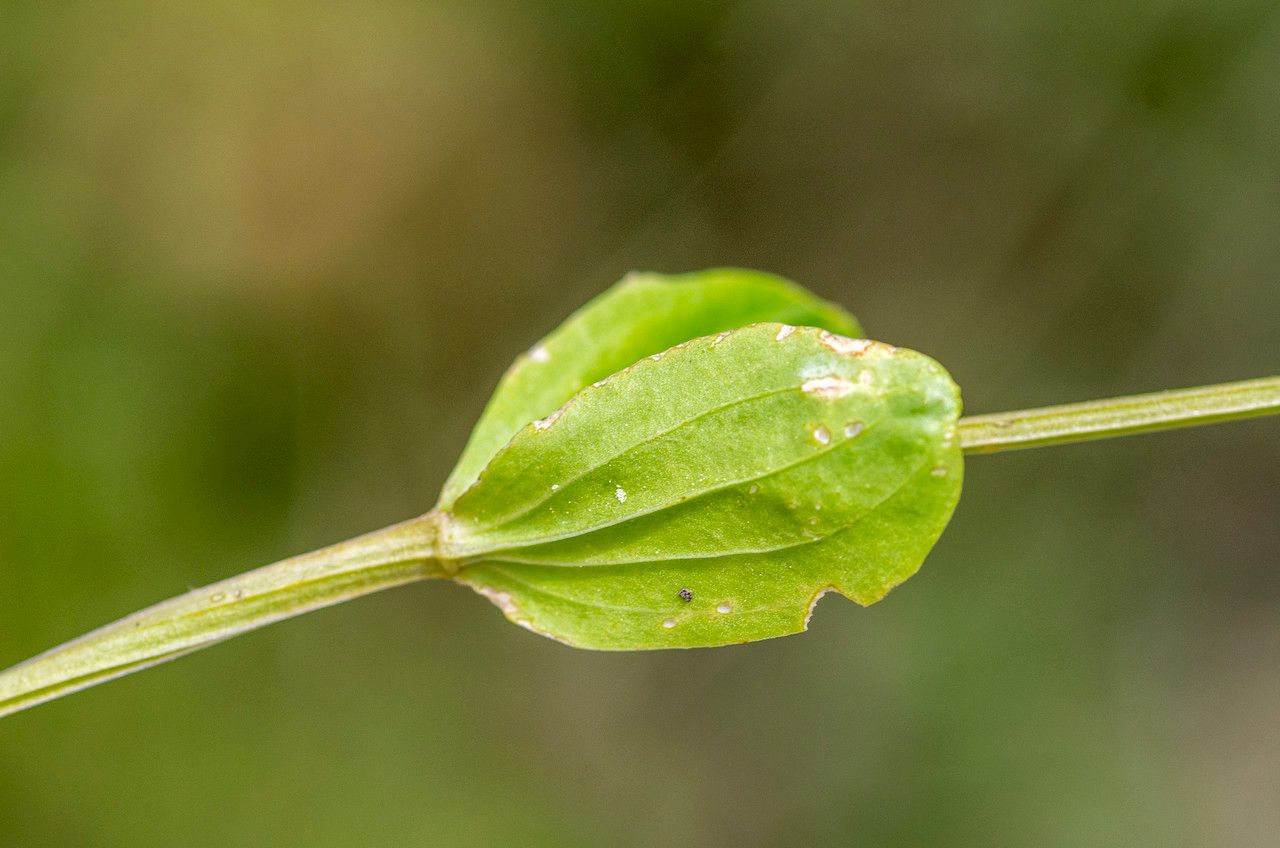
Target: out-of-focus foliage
(261, 266)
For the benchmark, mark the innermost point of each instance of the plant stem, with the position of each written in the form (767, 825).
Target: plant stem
(1122, 416)
(408, 552)
(380, 560)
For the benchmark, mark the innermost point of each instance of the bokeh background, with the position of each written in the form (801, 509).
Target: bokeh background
(261, 264)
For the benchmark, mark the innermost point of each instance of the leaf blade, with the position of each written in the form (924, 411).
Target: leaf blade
(764, 478)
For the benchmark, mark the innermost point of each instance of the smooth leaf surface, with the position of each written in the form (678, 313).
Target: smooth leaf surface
(754, 469)
(642, 315)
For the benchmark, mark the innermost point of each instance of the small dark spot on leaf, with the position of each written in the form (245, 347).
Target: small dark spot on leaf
(686, 594)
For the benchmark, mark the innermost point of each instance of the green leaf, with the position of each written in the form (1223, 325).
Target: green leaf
(756, 469)
(640, 316)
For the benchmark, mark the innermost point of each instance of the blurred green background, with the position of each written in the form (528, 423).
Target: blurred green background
(261, 264)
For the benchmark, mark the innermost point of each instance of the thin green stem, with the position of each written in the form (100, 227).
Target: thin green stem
(380, 560)
(409, 552)
(1122, 416)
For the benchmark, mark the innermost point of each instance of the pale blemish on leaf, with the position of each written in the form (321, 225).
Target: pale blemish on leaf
(502, 600)
(784, 331)
(539, 353)
(813, 604)
(544, 423)
(822, 435)
(827, 387)
(844, 345)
